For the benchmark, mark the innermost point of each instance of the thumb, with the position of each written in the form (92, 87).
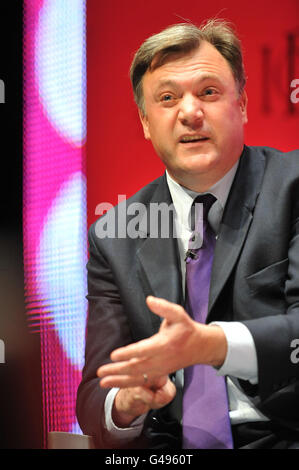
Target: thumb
(159, 382)
(172, 312)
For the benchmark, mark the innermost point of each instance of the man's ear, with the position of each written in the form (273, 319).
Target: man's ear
(243, 106)
(145, 125)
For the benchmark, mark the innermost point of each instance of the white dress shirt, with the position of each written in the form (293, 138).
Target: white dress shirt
(241, 359)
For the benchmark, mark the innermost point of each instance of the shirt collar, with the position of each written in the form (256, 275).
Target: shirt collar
(183, 198)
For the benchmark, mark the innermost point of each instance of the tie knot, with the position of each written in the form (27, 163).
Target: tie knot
(200, 209)
(207, 200)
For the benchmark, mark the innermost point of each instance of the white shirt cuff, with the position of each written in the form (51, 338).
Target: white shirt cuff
(123, 434)
(241, 357)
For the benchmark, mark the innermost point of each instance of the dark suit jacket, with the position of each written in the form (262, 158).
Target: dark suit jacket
(255, 280)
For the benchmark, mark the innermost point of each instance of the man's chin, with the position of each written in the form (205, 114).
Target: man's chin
(199, 161)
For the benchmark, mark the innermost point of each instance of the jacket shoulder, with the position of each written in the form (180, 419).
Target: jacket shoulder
(273, 153)
(143, 196)
(285, 164)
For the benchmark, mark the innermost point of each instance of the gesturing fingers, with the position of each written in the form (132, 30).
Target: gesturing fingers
(161, 354)
(123, 381)
(138, 400)
(143, 348)
(133, 367)
(111, 378)
(172, 313)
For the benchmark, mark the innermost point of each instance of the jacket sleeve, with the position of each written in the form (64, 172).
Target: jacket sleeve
(278, 372)
(107, 329)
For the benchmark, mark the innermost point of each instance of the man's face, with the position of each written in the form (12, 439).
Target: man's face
(194, 116)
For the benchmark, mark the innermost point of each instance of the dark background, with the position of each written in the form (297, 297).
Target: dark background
(20, 375)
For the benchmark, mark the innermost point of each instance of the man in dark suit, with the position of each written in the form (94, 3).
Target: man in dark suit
(189, 88)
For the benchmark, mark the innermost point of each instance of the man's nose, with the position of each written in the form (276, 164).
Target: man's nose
(191, 113)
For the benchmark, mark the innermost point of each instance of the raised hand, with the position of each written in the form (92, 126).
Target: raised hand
(180, 342)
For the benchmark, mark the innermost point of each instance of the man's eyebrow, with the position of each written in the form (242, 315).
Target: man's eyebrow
(166, 82)
(209, 76)
(204, 76)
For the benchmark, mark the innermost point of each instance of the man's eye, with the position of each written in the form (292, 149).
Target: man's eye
(209, 91)
(166, 98)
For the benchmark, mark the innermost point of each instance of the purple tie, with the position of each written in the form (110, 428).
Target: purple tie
(206, 423)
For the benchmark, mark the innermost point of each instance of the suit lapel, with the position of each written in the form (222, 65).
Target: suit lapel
(158, 262)
(236, 219)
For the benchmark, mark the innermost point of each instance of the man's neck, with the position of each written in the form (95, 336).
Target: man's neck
(202, 185)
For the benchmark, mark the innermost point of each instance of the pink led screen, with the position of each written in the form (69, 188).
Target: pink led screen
(55, 242)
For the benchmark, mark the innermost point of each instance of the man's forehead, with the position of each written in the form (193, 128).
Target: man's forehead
(205, 60)
(203, 49)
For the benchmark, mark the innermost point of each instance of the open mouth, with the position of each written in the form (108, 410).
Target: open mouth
(187, 139)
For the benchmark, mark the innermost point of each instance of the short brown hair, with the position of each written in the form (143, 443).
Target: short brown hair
(181, 39)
